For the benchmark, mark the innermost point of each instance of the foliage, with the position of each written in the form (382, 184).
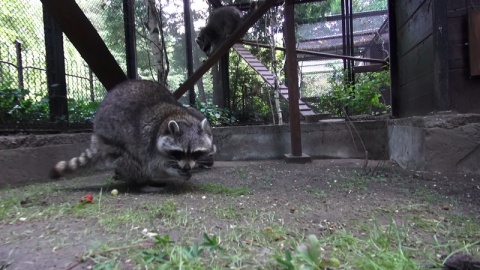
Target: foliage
(216, 116)
(25, 106)
(168, 256)
(249, 94)
(80, 111)
(17, 105)
(362, 97)
(307, 256)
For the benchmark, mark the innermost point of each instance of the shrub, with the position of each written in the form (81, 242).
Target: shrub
(362, 97)
(216, 116)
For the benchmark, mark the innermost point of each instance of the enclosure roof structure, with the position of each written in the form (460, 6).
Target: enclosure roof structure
(326, 35)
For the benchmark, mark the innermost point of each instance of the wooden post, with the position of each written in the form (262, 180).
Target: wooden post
(188, 39)
(130, 47)
(18, 46)
(292, 84)
(56, 82)
(441, 95)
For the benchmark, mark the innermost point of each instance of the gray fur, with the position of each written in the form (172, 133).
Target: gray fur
(220, 24)
(144, 134)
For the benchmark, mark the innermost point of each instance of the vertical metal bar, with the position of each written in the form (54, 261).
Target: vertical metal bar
(55, 64)
(292, 82)
(351, 41)
(394, 72)
(18, 46)
(188, 39)
(224, 75)
(90, 81)
(130, 46)
(344, 32)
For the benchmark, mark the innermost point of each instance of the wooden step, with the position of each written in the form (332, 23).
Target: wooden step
(268, 76)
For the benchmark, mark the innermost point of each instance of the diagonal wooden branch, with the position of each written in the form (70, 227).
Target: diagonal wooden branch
(223, 49)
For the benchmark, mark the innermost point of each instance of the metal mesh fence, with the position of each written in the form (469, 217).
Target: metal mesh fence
(23, 82)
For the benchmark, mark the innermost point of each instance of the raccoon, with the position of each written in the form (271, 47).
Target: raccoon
(143, 133)
(220, 24)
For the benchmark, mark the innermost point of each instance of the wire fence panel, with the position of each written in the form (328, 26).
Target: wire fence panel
(24, 103)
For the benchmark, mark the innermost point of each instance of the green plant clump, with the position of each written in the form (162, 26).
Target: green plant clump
(361, 97)
(216, 116)
(26, 106)
(20, 105)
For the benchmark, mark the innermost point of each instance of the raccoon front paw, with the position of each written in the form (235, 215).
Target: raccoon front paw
(179, 173)
(185, 174)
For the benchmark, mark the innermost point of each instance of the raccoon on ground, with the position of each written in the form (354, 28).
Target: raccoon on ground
(143, 133)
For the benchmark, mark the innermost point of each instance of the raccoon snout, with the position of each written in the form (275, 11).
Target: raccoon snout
(186, 168)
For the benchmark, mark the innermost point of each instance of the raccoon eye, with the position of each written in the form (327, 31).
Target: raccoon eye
(176, 154)
(198, 154)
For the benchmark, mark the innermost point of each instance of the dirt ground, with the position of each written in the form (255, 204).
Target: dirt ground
(43, 226)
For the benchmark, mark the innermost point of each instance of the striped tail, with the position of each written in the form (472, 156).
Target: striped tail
(65, 167)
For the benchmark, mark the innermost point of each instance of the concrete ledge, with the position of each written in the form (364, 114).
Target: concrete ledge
(319, 140)
(441, 142)
(27, 159)
(303, 159)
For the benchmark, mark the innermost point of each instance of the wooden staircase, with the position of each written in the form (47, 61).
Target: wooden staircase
(263, 71)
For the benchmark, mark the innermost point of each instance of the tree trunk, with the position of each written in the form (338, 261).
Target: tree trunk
(196, 64)
(156, 42)
(273, 24)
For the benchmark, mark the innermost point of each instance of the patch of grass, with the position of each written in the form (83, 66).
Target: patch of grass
(240, 173)
(319, 193)
(222, 189)
(229, 212)
(356, 181)
(144, 214)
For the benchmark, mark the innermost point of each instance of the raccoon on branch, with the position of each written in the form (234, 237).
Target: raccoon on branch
(221, 23)
(143, 133)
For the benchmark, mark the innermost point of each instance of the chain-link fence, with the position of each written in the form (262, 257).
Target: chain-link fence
(24, 103)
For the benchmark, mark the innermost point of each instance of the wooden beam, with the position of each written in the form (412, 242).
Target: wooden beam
(223, 49)
(86, 40)
(292, 79)
(474, 41)
(369, 68)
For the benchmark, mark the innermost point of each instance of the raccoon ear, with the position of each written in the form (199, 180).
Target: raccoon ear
(204, 125)
(173, 127)
(199, 40)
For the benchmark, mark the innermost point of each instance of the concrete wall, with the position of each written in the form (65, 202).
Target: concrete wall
(446, 142)
(441, 142)
(319, 140)
(26, 159)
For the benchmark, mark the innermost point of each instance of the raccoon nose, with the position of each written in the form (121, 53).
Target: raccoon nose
(186, 168)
